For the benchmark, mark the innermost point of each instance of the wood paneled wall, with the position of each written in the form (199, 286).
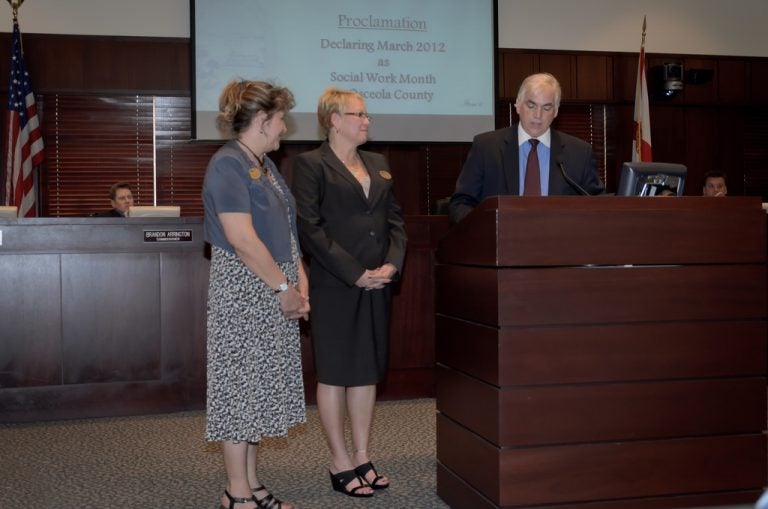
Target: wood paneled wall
(721, 124)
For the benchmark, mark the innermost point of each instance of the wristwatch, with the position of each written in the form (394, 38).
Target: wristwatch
(282, 287)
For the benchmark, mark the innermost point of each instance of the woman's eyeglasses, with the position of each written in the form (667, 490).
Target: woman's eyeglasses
(360, 115)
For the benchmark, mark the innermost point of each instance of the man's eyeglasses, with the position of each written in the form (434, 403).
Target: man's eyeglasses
(360, 115)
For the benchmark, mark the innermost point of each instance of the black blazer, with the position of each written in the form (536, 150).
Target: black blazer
(344, 232)
(492, 168)
(107, 213)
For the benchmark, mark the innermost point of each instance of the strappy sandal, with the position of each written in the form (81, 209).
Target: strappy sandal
(237, 500)
(342, 479)
(269, 501)
(362, 471)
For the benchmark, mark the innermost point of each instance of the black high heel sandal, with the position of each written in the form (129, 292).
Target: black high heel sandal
(342, 479)
(269, 501)
(362, 471)
(237, 500)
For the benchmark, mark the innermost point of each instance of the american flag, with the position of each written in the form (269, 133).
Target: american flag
(24, 141)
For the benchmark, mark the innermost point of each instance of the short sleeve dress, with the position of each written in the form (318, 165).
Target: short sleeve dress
(255, 386)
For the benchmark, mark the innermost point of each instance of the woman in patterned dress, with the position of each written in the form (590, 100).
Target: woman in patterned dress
(257, 291)
(352, 227)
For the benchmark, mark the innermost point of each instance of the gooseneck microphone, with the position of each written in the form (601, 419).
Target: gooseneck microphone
(570, 181)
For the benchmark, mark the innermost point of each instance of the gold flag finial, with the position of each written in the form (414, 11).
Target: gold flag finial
(15, 4)
(644, 29)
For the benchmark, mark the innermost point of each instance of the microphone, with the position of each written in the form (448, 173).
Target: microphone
(570, 181)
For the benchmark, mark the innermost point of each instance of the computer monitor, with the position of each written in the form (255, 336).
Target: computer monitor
(651, 179)
(158, 211)
(8, 211)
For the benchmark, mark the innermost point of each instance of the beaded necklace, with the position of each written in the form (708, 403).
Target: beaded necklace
(258, 159)
(273, 181)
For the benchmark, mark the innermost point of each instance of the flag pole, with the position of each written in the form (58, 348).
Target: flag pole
(24, 151)
(641, 144)
(4, 193)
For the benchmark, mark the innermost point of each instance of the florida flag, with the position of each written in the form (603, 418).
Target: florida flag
(24, 141)
(641, 143)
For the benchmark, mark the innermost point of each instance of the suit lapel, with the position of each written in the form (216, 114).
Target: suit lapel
(330, 159)
(510, 159)
(557, 184)
(377, 180)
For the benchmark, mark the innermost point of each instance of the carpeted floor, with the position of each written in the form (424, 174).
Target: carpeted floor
(163, 462)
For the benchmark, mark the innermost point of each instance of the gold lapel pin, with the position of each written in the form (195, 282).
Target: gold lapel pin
(255, 173)
(385, 174)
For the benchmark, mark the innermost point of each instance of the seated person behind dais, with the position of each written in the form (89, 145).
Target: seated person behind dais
(714, 184)
(121, 198)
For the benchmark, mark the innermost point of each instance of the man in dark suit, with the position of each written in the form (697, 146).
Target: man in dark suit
(498, 160)
(121, 198)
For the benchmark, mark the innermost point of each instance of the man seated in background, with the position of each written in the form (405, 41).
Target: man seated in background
(121, 198)
(714, 184)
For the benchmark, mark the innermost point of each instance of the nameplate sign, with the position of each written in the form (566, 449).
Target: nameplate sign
(167, 235)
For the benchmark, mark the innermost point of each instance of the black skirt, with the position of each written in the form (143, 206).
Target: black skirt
(350, 334)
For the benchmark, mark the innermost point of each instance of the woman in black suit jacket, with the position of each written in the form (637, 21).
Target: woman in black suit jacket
(352, 228)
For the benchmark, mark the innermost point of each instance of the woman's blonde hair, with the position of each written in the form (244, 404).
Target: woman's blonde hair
(241, 101)
(333, 100)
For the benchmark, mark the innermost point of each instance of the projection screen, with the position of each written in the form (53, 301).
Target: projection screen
(425, 68)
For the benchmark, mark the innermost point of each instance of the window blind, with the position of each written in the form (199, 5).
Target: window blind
(91, 143)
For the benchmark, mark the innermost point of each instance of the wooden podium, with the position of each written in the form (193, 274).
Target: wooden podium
(602, 352)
